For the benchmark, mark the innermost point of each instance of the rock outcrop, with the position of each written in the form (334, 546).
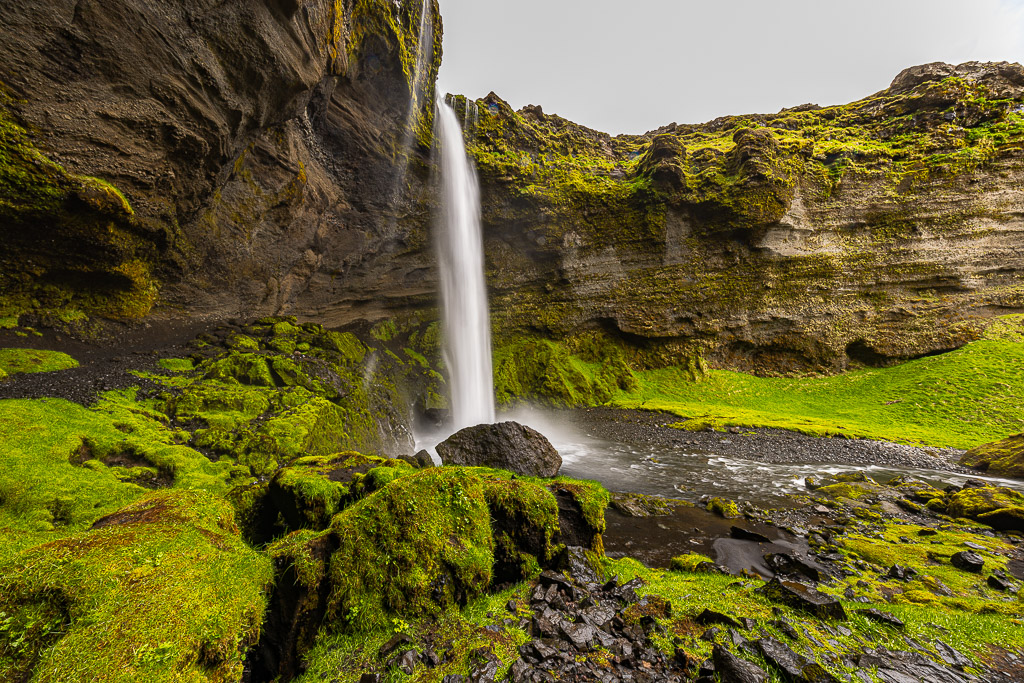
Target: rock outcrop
(815, 238)
(506, 446)
(253, 156)
(1005, 457)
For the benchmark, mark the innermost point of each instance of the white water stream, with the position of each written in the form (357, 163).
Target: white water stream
(466, 320)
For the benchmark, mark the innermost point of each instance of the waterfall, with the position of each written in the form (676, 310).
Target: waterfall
(467, 322)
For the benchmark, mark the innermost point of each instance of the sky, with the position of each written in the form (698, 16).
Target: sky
(630, 66)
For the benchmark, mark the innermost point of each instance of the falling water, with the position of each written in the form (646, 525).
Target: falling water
(467, 325)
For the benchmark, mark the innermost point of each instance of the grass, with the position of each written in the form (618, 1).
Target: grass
(13, 361)
(959, 399)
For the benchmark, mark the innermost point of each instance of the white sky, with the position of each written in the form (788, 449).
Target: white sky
(629, 66)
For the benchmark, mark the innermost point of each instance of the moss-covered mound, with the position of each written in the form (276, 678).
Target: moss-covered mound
(162, 590)
(422, 543)
(1005, 457)
(14, 361)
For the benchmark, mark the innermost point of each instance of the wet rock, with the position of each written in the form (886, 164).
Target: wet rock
(396, 641)
(951, 656)
(1000, 584)
(803, 597)
(732, 669)
(881, 617)
(968, 561)
(369, 678)
(579, 565)
(407, 661)
(793, 565)
(901, 573)
(746, 535)
(506, 445)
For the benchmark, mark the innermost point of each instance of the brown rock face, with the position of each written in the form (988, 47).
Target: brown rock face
(506, 446)
(259, 143)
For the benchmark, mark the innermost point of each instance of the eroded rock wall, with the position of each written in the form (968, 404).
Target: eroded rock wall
(260, 148)
(885, 229)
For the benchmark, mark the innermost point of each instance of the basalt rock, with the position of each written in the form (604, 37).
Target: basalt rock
(506, 445)
(247, 153)
(1004, 458)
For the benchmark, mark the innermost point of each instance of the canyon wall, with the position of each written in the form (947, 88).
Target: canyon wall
(242, 159)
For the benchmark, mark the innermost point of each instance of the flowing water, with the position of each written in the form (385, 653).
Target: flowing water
(466, 320)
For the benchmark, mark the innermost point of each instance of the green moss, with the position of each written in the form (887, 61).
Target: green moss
(723, 508)
(176, 364)
(425, 542)
(842, 490)
(170, 571)
(14, 361)
(1004, 458)
(690, 562)
(969, 503)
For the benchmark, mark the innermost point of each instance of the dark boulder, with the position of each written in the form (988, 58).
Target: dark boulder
(795, 667)
(968, 561)
(732, 669)
(506, 445)
(803, 598)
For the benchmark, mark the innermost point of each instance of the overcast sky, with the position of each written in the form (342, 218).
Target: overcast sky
(629, 66)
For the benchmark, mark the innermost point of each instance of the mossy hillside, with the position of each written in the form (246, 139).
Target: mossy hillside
(64, 466)
(14, 361)
(969, 627)
(161, 590)
(958, 399)
(459, 632)
(69, 242)
(431, 539)
(275, 391)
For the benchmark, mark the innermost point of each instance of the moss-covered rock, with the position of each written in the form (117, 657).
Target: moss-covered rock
(1004, 457)
(723, 508)
(423, 542)
(974, 501)
(162, 590)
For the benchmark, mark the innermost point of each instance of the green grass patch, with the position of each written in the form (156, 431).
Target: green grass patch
(14, 361)
(959, 399)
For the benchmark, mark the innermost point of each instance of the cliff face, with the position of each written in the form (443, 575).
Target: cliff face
(885, 229)
(223, 158)
(252, 158)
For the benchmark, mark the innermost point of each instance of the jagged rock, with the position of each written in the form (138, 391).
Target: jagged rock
(794, 565)
(804, 598)
(506, 445)
(881, 617)
(901, 573)
(797, 667)
(1004, 458)
(732, 669)
(968, 561)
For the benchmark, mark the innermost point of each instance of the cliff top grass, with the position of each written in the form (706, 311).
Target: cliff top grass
(942, 126)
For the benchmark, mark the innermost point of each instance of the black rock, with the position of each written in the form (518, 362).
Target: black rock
(747, 535)
(1000, 584)
(796, 667)
(407, 661)
(580, 567)
(901, 573)
(882, 617)
(968, 561)
(506, 445)
(792, 565)
(369, 678)
(709, 618)
(804, 598)
(396, 641)
(732, 669)
(927, 532)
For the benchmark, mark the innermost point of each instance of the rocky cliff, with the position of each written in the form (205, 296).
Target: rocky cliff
(219, 158)
(274, 157)
(885, 229)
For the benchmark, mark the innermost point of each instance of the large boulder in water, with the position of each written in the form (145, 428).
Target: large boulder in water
(506, 445)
